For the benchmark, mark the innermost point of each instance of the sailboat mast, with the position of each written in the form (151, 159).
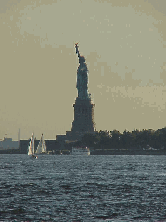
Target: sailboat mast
(42, 143)
(19, 137)
(33, 143)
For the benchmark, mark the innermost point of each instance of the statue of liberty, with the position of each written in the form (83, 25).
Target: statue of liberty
(82, 77)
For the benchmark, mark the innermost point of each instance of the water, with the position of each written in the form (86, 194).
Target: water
(91, 188)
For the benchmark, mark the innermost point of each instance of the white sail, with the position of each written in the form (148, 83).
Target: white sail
(31, 145)
(41, 146)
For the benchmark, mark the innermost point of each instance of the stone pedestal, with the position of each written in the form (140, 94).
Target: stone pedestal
(83, 121)
(83, 116)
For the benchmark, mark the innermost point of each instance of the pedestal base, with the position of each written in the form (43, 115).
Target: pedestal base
(83, 120)
(83, 116)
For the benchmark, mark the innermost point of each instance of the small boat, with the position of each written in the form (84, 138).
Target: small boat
(41, 149)
(84, 151)
(31, 148)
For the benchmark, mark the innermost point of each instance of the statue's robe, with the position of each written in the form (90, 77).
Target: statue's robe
(82, 81)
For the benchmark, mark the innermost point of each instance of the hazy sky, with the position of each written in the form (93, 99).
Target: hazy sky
(124, 43)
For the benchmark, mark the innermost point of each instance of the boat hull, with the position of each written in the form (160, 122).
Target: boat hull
(34, 156)
(41, 154)
(80, 151)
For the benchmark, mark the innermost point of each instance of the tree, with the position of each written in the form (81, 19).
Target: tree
(104, 139)
(115, 138)
(89, 139)
(126, 139)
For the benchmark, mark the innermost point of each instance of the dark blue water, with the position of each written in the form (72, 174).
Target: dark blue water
(91, 188)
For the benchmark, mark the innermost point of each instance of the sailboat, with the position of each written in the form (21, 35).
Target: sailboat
(41, 149)
(31, 147)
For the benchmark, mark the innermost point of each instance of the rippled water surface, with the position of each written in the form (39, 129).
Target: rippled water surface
(91, 188)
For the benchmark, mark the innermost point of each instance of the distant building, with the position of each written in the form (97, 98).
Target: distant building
(7, 143)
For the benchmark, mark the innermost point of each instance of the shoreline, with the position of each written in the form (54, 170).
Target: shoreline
(99, 152)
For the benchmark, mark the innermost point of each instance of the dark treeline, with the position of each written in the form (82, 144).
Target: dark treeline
(136, 139)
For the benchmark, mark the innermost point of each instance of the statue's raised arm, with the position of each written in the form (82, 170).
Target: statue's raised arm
(77, 51)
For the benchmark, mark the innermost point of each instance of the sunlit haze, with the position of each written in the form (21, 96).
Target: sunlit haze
(124, 44)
